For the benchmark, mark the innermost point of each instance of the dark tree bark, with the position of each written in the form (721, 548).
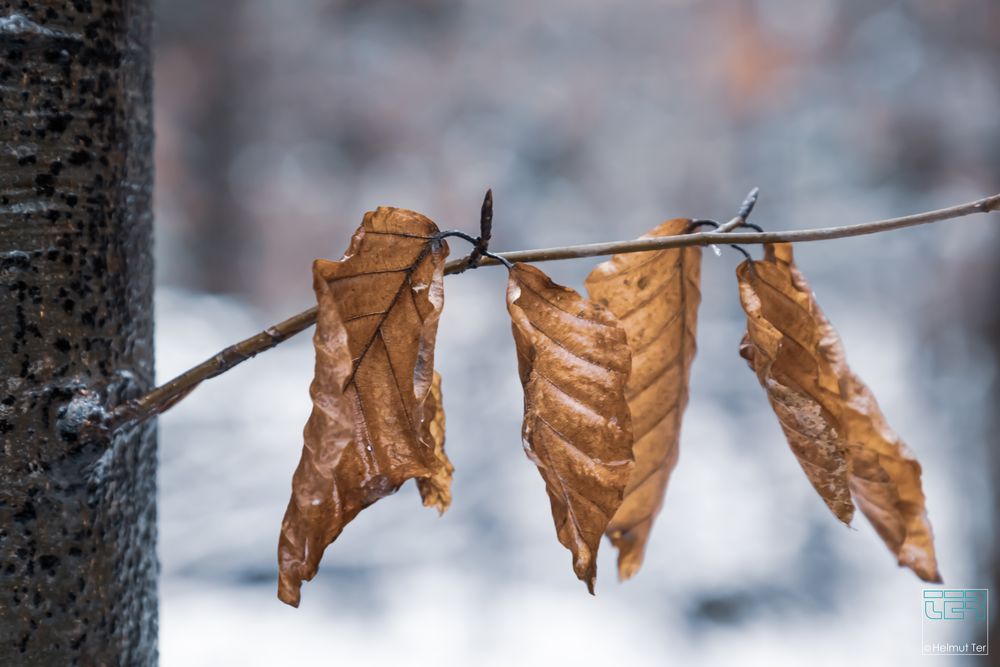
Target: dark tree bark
(77, 516)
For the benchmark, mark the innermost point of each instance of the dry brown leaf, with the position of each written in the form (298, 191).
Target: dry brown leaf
(884, 506)
(810, 430)
(790, 342)
(885, 476)
(436, 489)
(574, 364)
(781, 347)
(367, 434)
(655, 296)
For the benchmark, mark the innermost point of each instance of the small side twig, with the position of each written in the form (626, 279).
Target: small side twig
(485, 230)
(482, 242)
(167, 395)
(740, 220)
(741, 217)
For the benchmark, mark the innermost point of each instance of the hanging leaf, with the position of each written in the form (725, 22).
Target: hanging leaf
(796, 352)
(655, 296)
(885, 476)
(574, 363)
(436, 489)
(781, 347)
(378, 310)
(894, 503)
(810, 430)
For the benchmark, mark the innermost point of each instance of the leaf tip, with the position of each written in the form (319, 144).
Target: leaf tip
(845, 512)
(631, 545)
(585, 567)
(438, 501)
(627, 568)
(288, 592)
(923, 564)
(925, 571)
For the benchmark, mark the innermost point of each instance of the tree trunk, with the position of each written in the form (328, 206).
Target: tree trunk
(77, 517)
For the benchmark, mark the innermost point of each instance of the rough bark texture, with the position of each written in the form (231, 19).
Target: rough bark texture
(77, 520)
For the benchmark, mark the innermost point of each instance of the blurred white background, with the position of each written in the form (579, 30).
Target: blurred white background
(280, 123)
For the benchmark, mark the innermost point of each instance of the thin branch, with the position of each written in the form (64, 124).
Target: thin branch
(165, 396)
(984, 205)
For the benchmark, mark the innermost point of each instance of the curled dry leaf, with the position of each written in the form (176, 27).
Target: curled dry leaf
(885, 476)
(371, 428)
(781, 345)
(655, 296)
(810, 430)
(829, 413)
(574, 363)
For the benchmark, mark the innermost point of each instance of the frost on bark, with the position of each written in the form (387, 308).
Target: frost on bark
(77, 518)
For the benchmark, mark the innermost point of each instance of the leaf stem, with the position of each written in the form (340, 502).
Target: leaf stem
(169, 394)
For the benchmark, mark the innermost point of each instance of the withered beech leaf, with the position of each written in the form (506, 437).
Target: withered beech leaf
(574, 362)
(368, 433)
(436, 489)
(881, 472)
(655, 296)
(781, 345)
(884, 476)
(886, 507)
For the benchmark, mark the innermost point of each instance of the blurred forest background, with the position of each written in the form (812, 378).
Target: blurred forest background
(280, 123)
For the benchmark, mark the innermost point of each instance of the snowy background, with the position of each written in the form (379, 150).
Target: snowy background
(280, 123)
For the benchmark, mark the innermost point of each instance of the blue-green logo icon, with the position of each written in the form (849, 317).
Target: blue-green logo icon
(955, 604)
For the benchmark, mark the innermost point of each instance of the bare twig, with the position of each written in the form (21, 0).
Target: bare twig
(740, 220)
(485, 231)
(480, 244)
(741, 217)
(165, 396)
(170, 393)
